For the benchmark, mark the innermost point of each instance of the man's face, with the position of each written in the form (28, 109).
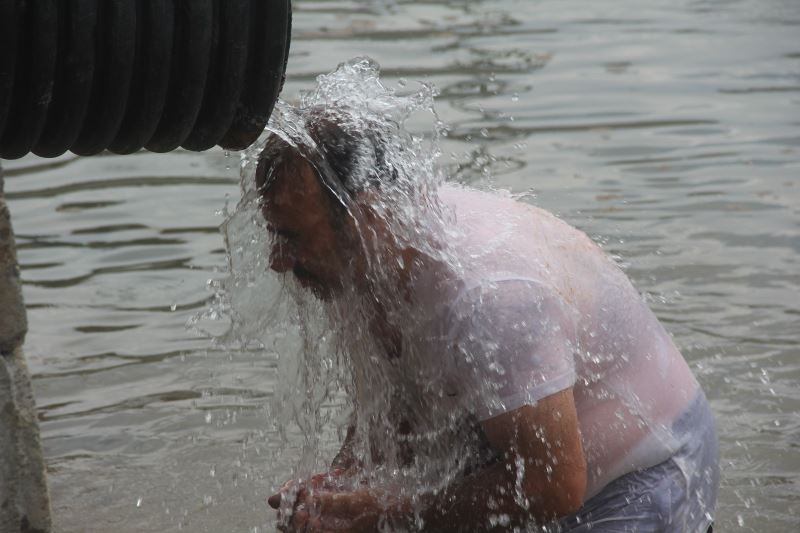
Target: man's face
(305, 241)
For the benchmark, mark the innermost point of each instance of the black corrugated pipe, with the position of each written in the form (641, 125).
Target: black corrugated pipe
(122, 75)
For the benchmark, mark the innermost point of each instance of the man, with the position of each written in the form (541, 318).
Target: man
(519, 379)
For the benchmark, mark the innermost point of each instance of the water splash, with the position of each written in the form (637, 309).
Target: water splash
(328, 361)
(406, 339)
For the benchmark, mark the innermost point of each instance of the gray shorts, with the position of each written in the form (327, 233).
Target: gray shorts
(676, 496)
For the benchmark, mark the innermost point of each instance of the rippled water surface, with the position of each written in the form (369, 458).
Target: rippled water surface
(669, 131)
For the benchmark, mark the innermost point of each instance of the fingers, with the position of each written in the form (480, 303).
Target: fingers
(287, 488)
(297, 522)
(300, 520)
(313, 507)
(321, 481)
(344, 504)
(307, 516)
(303, 521)
(326, 480)
(274, 501)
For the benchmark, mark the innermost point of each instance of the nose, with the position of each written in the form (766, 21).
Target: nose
(280, 258)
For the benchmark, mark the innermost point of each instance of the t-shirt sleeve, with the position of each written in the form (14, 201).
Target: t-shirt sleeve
(514, 345)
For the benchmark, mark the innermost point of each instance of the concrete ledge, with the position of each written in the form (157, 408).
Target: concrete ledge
(24, 499)
(13, 322)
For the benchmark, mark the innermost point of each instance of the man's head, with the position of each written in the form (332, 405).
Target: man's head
(309, 196)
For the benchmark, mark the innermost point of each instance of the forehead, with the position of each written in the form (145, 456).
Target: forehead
(293, 192)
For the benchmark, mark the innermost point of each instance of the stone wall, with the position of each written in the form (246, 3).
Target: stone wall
(24, 500)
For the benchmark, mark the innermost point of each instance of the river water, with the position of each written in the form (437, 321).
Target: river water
(669, 131)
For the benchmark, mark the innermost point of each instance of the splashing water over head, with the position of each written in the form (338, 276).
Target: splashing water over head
(340, 199)
(432, 319)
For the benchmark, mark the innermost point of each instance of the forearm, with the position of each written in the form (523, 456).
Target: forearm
(542, 477)
(489, 500)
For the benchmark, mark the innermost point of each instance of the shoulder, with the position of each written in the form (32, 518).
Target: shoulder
(508, 289)
(503, 305)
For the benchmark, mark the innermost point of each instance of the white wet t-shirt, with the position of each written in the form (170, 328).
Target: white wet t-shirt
(540, 309)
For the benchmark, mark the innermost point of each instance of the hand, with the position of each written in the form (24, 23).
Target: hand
(291, 497)
(337, 512)
(296, 489)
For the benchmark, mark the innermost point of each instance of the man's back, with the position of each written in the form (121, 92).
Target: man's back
(630, 381)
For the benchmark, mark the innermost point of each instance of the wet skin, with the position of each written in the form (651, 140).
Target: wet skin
(305, 240)
(319, 254)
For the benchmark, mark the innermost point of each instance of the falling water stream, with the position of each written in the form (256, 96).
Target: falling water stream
(667, 131)
(331, 370)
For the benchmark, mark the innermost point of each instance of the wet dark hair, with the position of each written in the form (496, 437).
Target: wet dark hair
(346, 158)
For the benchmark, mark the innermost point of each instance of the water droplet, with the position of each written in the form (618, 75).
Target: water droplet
(139, 501)
(208, 417)
(740, 520)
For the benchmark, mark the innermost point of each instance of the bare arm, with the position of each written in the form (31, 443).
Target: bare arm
(542, 475)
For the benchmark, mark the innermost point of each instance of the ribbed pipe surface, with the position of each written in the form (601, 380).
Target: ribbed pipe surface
(122, 75)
